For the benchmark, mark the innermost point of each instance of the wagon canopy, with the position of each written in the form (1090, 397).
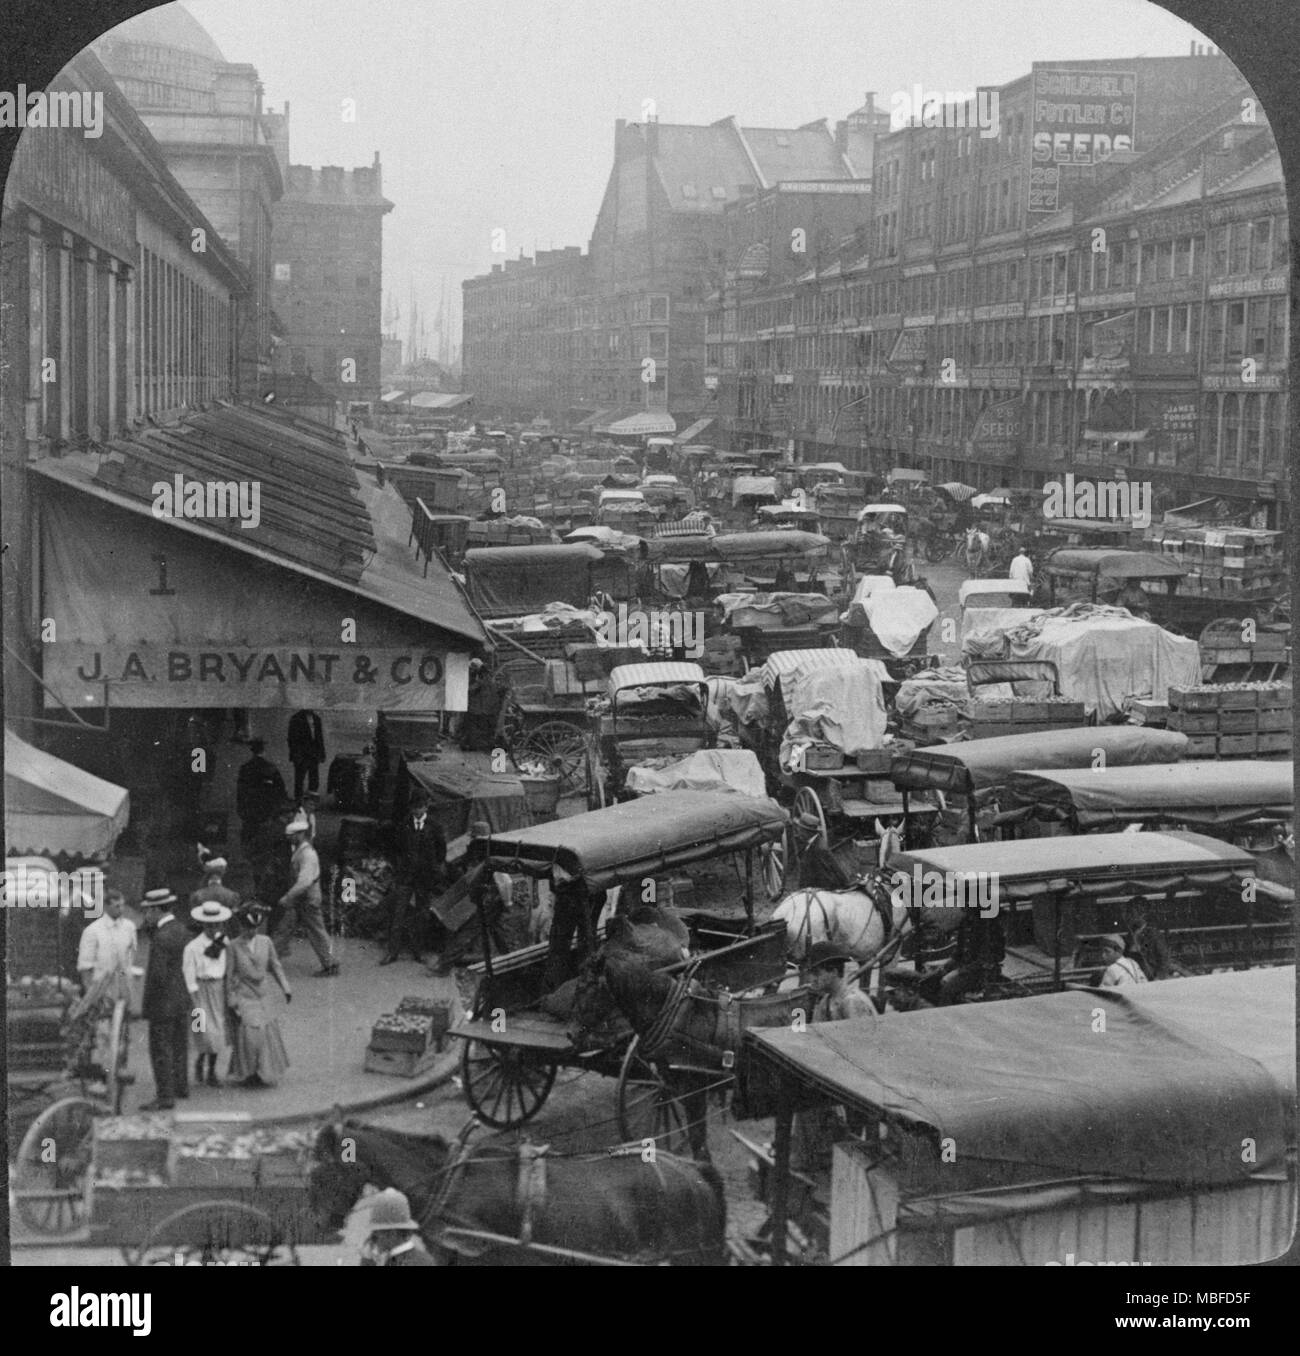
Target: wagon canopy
(460, 795)
(639, 838)
(509, 581)
(1230, 792)
(738, 546)
(972, 592)
(1113, 565)
(750, 487)
(1092, 864)
(982, 764)
(654, 674)
(1031, 1094)
(787, 663)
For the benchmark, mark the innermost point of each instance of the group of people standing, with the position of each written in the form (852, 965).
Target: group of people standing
(205, 990)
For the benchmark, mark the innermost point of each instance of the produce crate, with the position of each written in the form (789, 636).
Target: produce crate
(1238, 722)
(936, 718)
(1239, 697)
(1194, 722)
(1202, 746)
(822, 758)
(1237, 745)
(875, 760)
(141, 1144)
(438, 1010)
(1274, 718)
(214, 1170)
(1194, 698)
(1147, 712)
(1275, 695)
(1279, 741)
(402, 1031)
(400, 1063)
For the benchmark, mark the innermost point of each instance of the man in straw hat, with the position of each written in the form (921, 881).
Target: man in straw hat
(204, 961)
(214, 887)
(394, 1238)
(302, 900)
(166, 1003)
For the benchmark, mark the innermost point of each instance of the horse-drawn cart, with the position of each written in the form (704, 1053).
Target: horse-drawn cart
(515, 1041)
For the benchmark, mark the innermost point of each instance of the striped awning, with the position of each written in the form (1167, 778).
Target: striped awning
(648, 675)
(785, 662)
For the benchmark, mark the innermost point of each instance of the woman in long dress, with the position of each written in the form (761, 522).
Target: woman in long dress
(259, 1058)
(204, 962)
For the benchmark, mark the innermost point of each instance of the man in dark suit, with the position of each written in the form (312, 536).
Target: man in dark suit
(421, 870)
(166, 1003)
(259, 792)
(306, 752)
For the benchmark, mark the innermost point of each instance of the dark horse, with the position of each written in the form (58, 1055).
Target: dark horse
(623, 1207)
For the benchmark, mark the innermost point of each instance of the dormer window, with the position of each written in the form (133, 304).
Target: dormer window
(719, 191)
(688, 191)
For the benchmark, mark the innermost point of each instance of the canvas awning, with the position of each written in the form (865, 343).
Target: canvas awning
(439, 400)
(53, 808)
(642, 422)
(693, 431)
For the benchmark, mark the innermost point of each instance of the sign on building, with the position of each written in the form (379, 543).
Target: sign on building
(1000, 427)
(1077, 118)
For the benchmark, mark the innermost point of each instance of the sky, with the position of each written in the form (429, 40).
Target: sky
(499, 114)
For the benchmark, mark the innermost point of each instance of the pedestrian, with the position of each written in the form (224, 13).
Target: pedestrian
(1119, 969)
(258, 1057)
(394, 1237)
(214, 886)
(306, 752)
(577, 911)
(205, 961)
(259, 793)
(106, 951)
(166, 1004)
(302, 901)
(307, 808)
(478, 729)
(837, 1000)
(1021, 570)
(421, 869)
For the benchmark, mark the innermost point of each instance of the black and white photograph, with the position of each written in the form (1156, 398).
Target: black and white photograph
(647, 636)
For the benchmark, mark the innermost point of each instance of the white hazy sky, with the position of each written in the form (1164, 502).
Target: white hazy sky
(500, 113)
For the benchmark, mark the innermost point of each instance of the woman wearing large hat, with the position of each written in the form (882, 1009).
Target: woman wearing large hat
(205, 964)
(258, 1056)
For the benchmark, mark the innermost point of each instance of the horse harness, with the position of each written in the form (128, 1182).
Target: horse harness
(806, 930)
(530, 1187)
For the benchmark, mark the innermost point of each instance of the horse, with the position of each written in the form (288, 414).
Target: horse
(977, 549)
(565, 1210)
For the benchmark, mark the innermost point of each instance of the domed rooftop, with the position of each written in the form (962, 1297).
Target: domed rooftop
(170, 26)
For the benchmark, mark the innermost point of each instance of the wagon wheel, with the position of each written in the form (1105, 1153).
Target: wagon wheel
(215, 1234)
(50, 1174)
(646, 1107)
(808, 806)
(774, 859)
(559, 744)
(596, 797)
(504, 1086)
(116, 1057)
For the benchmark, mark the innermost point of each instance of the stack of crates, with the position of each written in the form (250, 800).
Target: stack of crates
(1223, 562)
(1234, 720)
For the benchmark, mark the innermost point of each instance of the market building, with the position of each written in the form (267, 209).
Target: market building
(228, 153)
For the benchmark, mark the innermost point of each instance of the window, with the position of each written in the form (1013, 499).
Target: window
(1277, 329)
(1236, 329)
(1257, 336)
(688, 191)
(1214, 334)
(1219, 251)
(1261, 244)
(1183, 256)
(1239, 248)
(1229, 452)
(718, 191)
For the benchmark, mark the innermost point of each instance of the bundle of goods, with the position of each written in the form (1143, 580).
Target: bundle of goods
(777, 611)
(361, 895)
(39, 991)
(249, 1157)
(1233, 720)
(133, 1151)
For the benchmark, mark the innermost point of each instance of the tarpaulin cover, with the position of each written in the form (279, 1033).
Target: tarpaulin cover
(1113, 566)
(843, 707)
(1106, 661)
(785, 664)
(737, 546)
(1030, 1086)
(1228, 792)
(776, 611)
(980, 765)
(899, 616)
(727, 770)
(743, 700)
(1094, 863)
(639, 838)
(980, 623)
(52, 807)
(508, 581)
(460, 795)
(752, 486)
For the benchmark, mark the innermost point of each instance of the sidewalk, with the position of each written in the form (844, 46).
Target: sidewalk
(326, 1030)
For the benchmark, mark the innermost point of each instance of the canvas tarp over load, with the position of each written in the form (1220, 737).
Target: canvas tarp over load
(843, 707)
(460, 795)
(508, 581)
(777, 611)
(752, 487)
(735, 770)
(897, 616)
(1033, 1097)
(1104, 660)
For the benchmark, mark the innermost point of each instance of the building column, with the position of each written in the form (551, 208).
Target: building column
(34, 411)
(107, 347)
(63, 410)
(128, 396)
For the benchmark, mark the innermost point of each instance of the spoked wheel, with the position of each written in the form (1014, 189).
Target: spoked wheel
(50, 1175)
(647, 1108)
(558, 744)
(808, 808)
(505, 1086)
(774, 859)
(215, 1234)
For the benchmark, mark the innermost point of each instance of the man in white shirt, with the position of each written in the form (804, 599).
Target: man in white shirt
(107, 948)
(303, 899)
(1120, 969)
(1021, 569)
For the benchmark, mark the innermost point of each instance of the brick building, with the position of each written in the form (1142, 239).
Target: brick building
(1109, 330)
(206, 113)
(327, 287)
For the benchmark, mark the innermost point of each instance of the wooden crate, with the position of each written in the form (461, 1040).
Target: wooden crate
(1238, 722)
(438, 1010)
(400, 1063)
(1238, 699)
(983, 711)
(1237, 745)
(1194, 698)
(1274, 718)
(1273, 697)
(417, 1041)
(876, 760)
(1279, 741)
(1147, 712)
(189, 1171)
(1194, 722)
(1202, 746)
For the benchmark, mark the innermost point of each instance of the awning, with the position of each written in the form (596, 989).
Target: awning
(592, 420)
(1114, 435)
(642, 422)
(392, 396)
(53, 808)
(439, 400)
(654, 675)
(689, 434)
(1028, 1090)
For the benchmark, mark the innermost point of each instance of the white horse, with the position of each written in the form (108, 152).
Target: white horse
(977, 549)
(861, 920)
